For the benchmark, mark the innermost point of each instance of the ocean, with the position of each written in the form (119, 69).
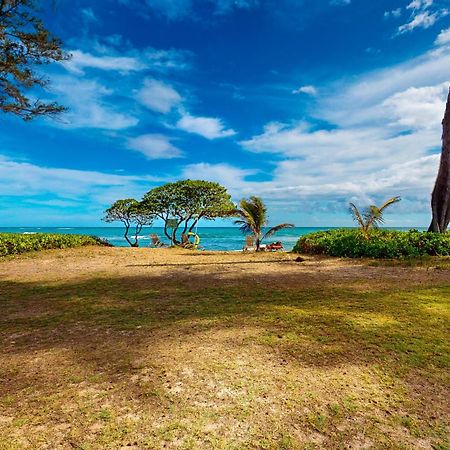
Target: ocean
(212, 238)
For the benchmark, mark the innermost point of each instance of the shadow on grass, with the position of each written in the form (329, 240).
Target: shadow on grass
(102, 326)
(229, 263)
(323, 325)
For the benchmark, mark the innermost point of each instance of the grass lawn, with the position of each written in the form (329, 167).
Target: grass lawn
(138, 348)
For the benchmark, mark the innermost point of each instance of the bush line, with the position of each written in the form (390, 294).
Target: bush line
(15, 243)
(352, 243)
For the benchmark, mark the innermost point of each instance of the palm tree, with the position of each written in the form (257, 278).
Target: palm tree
(372, 216)
(252, 215)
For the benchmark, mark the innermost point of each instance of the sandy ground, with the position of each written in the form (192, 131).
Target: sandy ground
(141, 348)
(274, 268)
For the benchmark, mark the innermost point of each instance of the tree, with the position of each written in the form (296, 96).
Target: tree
(372, 216)
(252, 215)
(24, 44)
(182, 204)
(440, 199)
(130, 212)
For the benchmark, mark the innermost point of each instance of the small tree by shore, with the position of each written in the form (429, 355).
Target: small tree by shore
(372, 216)
(182, 204)
(132, 214)
(252, 215)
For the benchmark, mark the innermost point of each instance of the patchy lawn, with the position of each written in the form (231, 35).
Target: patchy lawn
(139, 348)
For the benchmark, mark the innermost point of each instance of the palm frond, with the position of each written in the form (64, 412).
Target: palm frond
(357, 217)
(273, 230)
(373, 216)
(244, 226)
(388, 203)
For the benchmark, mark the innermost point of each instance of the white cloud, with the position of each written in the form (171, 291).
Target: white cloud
(417, 108)
(424, 15)
(88, 105)
(232, 177)
(420, 4)
(351, 103)
(443, 37)
(81, 60)
(422, 20)
(395, 13)
(182, 9)
(89, 15)
(158, 96)
(110, 59)
(208, 127)
(154, 146)
(340, 2)
(309, 90)
(383, 139)
(23, 179)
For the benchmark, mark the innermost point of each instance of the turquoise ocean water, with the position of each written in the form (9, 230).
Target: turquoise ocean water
(212, 238)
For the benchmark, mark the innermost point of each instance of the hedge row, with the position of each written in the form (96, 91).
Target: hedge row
(378, 244)
(15, 243)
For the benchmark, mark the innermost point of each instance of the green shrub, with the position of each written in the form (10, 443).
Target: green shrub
(353, 243)
(15, 243)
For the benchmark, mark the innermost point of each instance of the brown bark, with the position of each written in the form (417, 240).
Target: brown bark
(440, 199)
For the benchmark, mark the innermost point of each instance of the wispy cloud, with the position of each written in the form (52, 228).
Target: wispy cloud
(228, 175)
(18, 178)
(424, 15)
(154, 146)
(113, 57)
(158, 96)
(208, 127)
(420, 4)
(340, 2)
(81, 60)
(424, 19)
(382, 138)
(88, 105)
(443, 37)
(310, 90)
(182, 9)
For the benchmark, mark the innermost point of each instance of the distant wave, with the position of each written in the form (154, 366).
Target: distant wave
(29, 232)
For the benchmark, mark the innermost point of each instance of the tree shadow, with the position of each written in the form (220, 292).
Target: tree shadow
(100, 329)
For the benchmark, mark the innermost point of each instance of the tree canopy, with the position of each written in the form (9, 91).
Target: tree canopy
(183, 203)
(131, 213)
(24, 44)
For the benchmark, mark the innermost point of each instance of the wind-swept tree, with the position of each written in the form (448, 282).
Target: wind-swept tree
(372, 216)
(253, 219)
(440, 199)
(25, 43)
(181, 205)
(132, 214)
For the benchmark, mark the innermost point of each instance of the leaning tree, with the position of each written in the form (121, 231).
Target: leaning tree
(25, 44)
(440, 199)
(132, 214)
(182, 204)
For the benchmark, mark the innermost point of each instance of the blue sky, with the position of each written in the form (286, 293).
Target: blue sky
(309, 104)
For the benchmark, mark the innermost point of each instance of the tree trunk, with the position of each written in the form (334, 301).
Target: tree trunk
(440, 199)
(127, 229)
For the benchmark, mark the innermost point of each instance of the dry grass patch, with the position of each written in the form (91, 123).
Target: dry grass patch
(111, 348)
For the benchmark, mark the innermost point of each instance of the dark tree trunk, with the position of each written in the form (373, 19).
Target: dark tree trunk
(440, 199)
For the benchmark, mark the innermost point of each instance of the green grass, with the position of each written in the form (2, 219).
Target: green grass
(158, 362)
(15, 243)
